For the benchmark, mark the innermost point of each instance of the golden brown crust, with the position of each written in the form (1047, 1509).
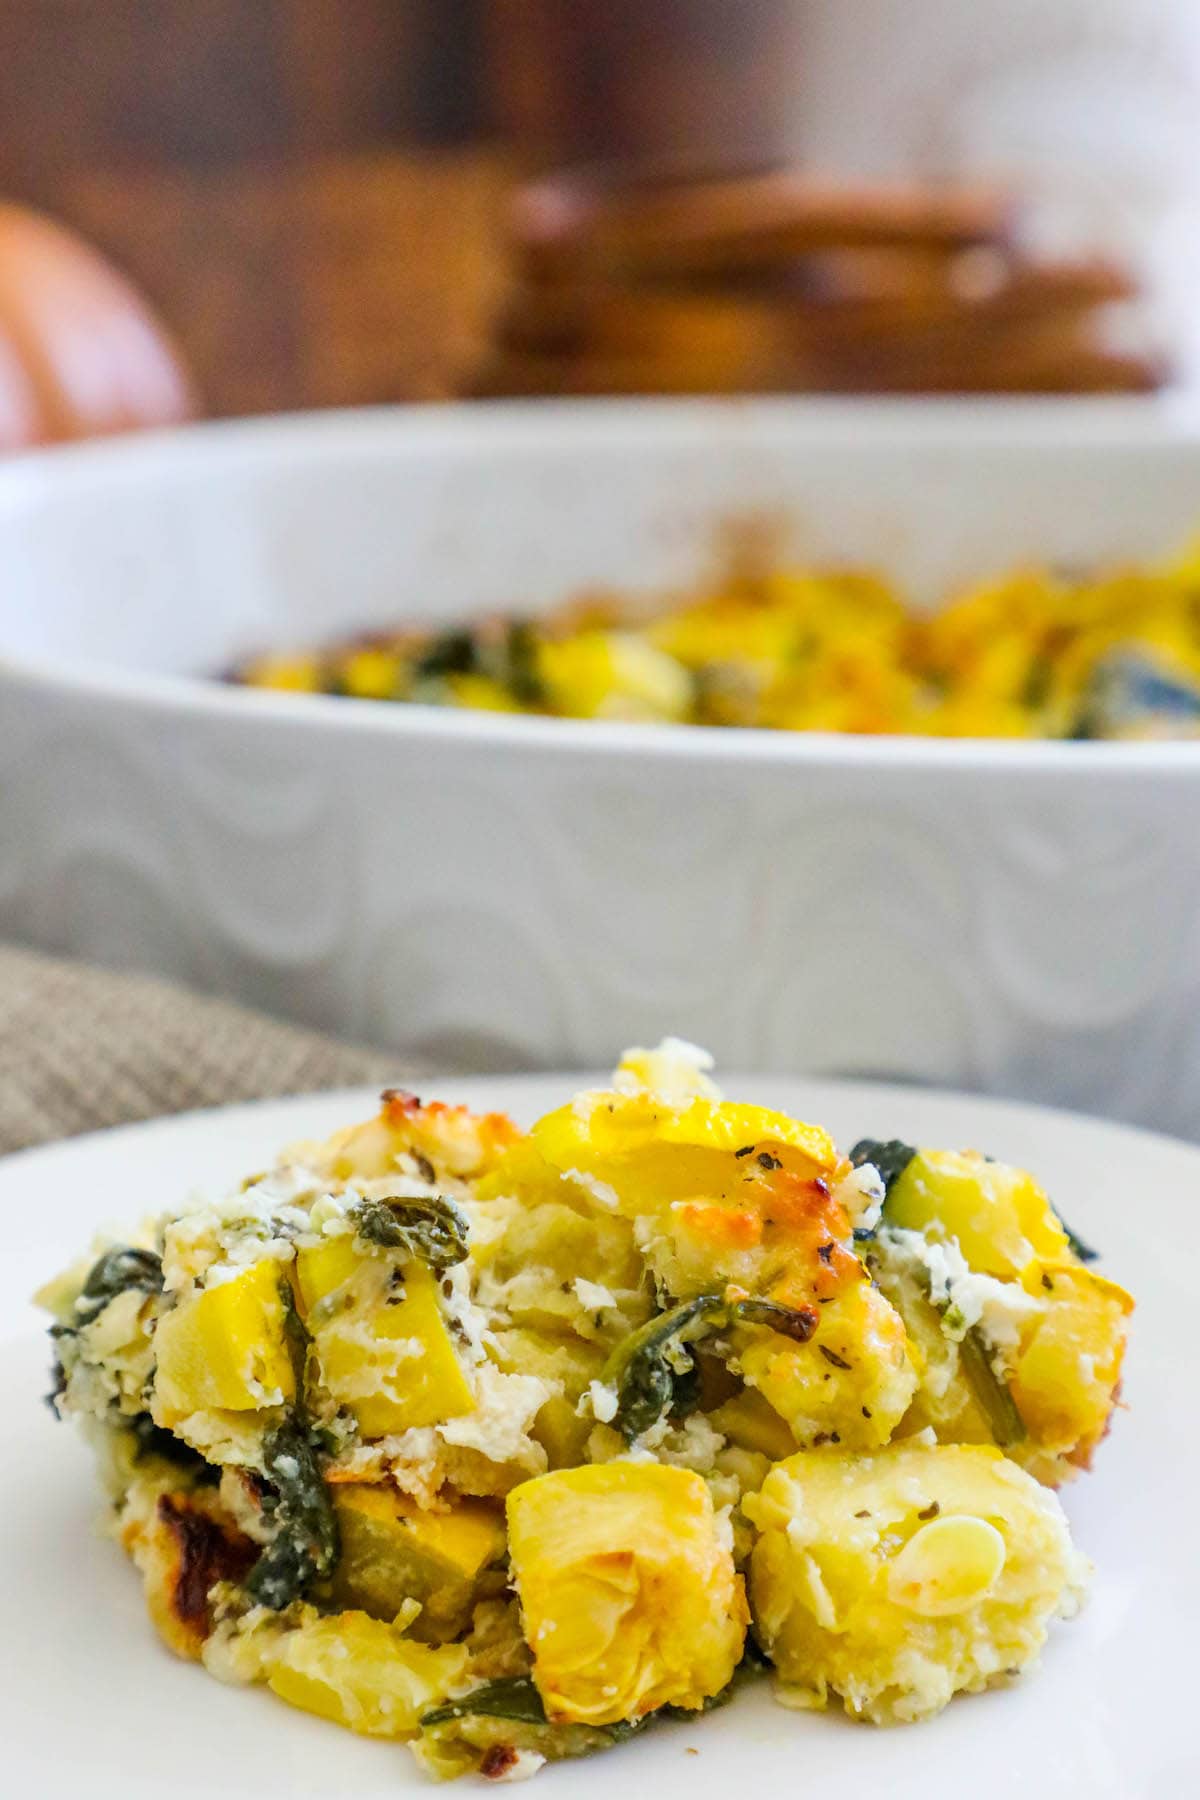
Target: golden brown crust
(184, 1544)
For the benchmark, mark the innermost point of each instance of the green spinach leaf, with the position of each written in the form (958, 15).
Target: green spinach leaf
(890, 1156)
(305, 1546)
(648, 1367)
(511, 1697)
(515, 1698)
(115, 1273)
(435, 1231)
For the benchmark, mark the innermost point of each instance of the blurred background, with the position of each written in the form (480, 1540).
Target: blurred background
(316, 197)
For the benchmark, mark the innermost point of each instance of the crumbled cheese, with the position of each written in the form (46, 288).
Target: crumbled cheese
(604, 1401)
(505, 1408)
(1004, 1308)
(600, 1191)
(694, 1055)
(398, 1187)
(225, 1437)
(217, 1239)
(330, 1216)
(117, 1326)
(289, 1184)
(862, 1194)
(242, 1648)
(999, 1308)
(470, 1318)
(591, 1295)
(243, 1252)
(423, 1465)
(693, 1445)
(675, 1072)
(525, 1764)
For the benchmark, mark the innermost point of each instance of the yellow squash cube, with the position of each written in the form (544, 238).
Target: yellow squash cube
(1054, 1355)
(850, 1384)
(324, 1274)
(569, 1365)
(1066, 1376)
(721, 1192)
(999, 1215)
(361, 1673)
(384, 1350)
(612, 675)
(898, 1579)
(627, 1588)
(538, 1247)
(372, 673)
(750, 1423)
(651, 1151)
(225, 1349)
(393, 1551)
(944, 1401)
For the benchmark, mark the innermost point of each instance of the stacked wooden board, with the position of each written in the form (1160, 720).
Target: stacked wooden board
(774, 282)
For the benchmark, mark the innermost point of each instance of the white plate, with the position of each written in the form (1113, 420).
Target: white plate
(91, 1703)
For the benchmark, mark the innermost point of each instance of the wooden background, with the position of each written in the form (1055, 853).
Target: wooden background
(306, 188)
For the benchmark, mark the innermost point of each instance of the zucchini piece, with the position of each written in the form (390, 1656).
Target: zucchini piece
(1066, 1377)
(394, 1551)
(998, 1406)
(897, 1579)
(996, 1212)
(750, 1422)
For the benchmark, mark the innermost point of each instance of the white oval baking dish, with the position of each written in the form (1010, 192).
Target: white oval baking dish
(1017, 917)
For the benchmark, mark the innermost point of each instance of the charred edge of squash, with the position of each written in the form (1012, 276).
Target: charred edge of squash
(206, 1552)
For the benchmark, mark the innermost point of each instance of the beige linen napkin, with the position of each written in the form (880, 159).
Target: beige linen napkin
(81, 1048)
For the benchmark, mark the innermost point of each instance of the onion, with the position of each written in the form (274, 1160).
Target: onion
(81, 353)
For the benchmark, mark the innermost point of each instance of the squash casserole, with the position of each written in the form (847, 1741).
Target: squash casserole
(506, 1444)
(1033, 653)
